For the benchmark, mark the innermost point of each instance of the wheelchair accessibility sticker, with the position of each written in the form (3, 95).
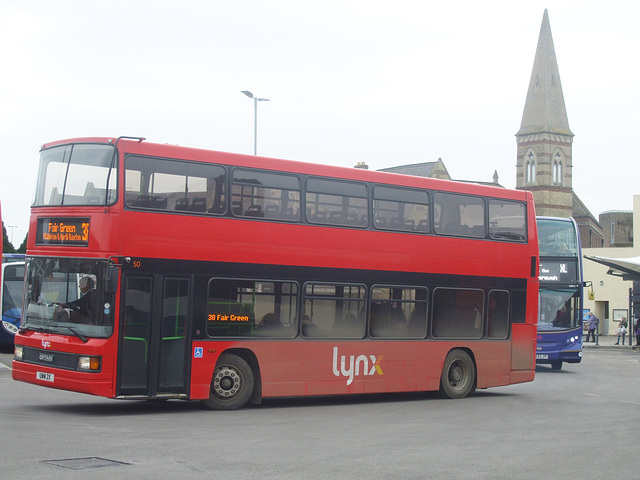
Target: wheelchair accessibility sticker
(198, 352)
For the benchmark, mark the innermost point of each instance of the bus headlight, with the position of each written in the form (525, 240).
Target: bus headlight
(89, 364)
(17, 352)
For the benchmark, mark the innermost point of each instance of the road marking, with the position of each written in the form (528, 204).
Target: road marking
(592, 394)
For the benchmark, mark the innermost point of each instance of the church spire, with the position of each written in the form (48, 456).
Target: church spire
(544, 110)
(544, 163)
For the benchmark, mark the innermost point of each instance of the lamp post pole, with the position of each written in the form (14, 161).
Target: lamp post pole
(255, 117)
(11, 227)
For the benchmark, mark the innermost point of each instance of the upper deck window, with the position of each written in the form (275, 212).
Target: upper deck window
(266, 195)
(507, 220)
(557, 237)
(81, 174)
(462, 215)
(400, 209)
(336, 202)
(164, 184)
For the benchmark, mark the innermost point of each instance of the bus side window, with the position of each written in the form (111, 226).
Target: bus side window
(165, 184)
(519, 306)
(334, 310)
(498, 314)
(400, 209)
(460, 215)
(336, 202)
(398, 312)
(457, 313)
(259, 194)
(507, 220)
(241, 308)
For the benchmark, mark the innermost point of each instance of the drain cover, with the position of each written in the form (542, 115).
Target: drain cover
(82, 463)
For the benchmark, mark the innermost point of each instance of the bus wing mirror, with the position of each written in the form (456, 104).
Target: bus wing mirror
(112, 279)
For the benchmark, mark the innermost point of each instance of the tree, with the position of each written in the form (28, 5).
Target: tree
(23, 247)
(7, 247)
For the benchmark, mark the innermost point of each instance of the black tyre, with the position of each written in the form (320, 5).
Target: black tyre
(556, 365)
(458, 375)
(231, 385)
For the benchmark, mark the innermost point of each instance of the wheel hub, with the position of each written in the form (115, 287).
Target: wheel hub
(226, 382)
(455, 375)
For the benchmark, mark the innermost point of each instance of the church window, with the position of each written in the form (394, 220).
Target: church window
(530, 168)
(557, 169)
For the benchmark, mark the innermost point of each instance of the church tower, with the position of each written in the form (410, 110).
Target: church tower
(544, 163)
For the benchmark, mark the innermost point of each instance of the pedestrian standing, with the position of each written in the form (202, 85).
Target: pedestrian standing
(622, 331)
(593, 325)
(638, 332)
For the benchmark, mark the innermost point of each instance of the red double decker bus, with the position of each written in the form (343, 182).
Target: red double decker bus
(158, 271)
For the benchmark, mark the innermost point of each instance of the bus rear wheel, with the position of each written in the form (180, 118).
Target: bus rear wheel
(458, 375)
(232, 383)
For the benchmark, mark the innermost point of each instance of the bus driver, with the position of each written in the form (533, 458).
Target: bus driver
(85, 302)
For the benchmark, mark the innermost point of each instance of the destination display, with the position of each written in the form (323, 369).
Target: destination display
(63, 231)
(229, 312)
(218, 317)
(558, 271)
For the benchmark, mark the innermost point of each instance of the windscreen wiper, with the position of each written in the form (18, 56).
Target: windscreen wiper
(76, 333)
(24, 328)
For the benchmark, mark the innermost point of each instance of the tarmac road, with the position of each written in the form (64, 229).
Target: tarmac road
(580, 422)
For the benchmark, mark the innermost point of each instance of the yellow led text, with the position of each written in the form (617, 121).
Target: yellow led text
(217, 317)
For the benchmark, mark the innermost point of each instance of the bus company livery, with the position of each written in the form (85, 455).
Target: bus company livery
(560, 311)
(159, 271)
(12, 281)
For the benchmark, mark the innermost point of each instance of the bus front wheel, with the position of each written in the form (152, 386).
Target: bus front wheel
(232, 383)
(556, 365)
(458, 375)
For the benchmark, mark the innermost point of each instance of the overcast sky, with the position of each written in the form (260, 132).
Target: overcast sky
(381, 82)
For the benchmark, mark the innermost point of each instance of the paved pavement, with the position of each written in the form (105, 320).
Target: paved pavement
(608, 342)
(567, 424)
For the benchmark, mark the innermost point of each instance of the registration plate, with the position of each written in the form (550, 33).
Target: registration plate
(47, 377)
(542, 356)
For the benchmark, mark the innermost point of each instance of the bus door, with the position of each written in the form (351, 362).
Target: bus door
(153, 357)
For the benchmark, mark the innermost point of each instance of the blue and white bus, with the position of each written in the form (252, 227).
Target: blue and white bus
(12, 282)
(560, 306)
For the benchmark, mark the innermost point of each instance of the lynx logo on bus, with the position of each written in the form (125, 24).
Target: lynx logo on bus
(353, 370)
(63, 231)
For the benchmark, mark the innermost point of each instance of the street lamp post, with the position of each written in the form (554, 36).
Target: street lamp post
(11, 227)
(255, 118)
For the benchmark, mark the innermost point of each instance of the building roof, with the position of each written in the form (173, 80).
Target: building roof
(435, 169)
(544, 110)
(417, 169)
(609, 212)
(579, 209)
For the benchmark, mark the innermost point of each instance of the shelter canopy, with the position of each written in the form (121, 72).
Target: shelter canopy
(627, 268)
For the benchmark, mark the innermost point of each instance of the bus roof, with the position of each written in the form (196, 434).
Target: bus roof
(12, 257)
(139, 145)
